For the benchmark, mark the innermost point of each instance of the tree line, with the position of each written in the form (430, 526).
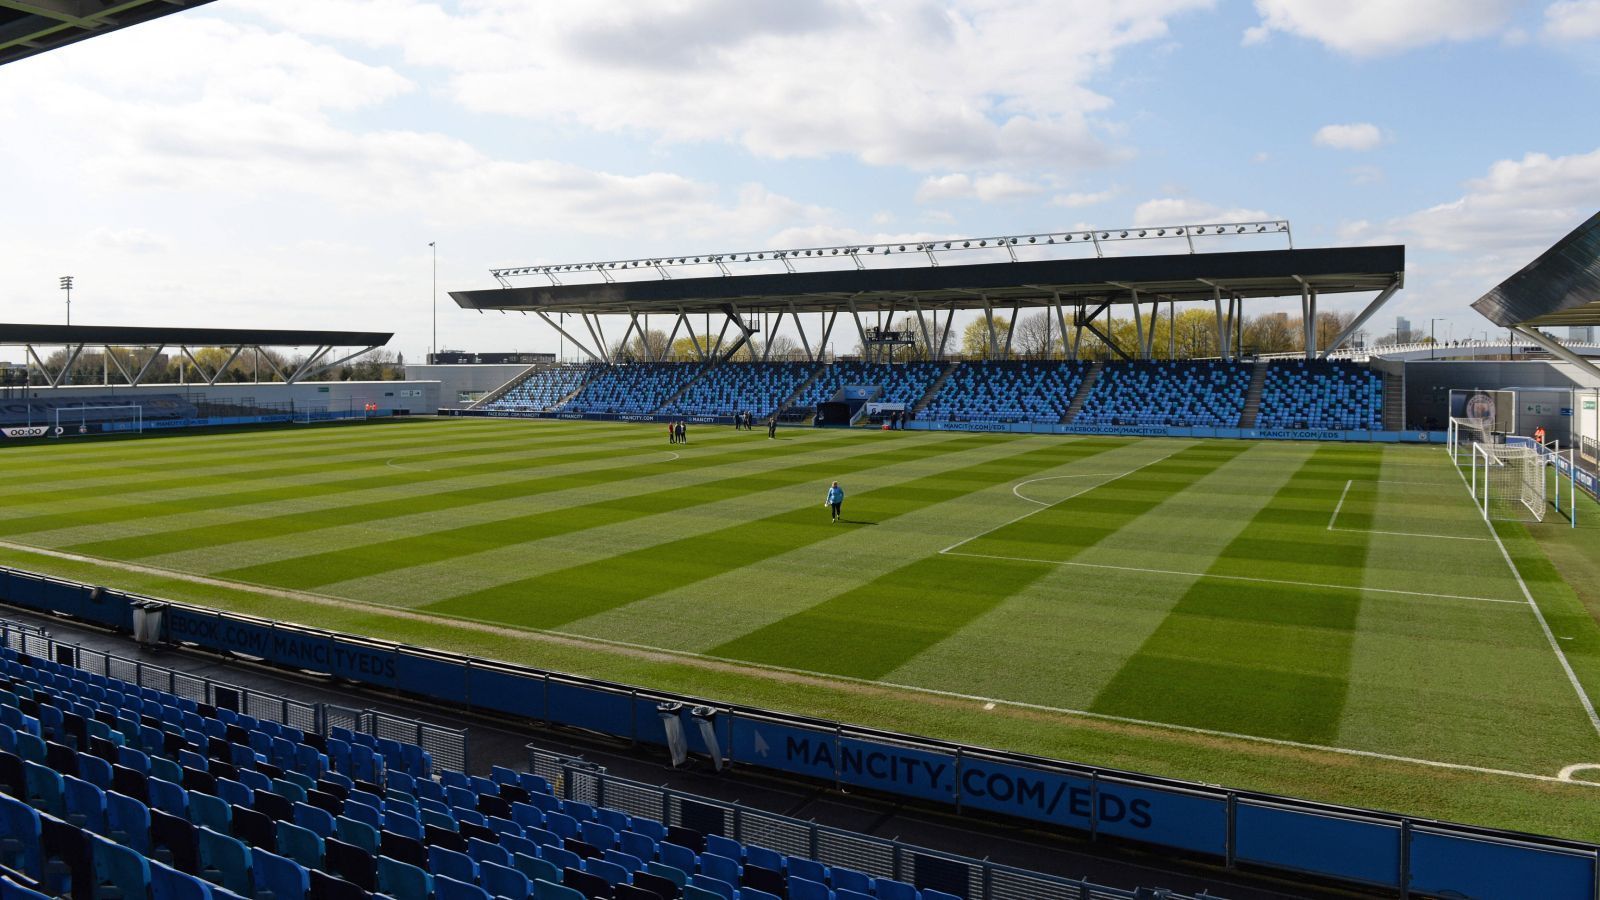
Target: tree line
(95, 367)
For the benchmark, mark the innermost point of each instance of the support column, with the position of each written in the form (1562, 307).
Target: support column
(1138, 325)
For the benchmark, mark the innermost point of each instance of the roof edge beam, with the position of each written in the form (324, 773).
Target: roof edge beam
(1360, 320)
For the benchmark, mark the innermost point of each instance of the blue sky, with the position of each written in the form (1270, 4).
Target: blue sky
(286, 162)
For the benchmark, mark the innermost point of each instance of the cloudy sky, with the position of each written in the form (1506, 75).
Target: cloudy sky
(287, 162)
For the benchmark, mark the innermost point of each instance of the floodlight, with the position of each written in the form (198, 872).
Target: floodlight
(1142, 234)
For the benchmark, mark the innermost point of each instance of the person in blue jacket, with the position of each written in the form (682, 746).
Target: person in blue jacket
(836, 500)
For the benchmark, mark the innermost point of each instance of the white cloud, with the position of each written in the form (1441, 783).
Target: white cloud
(998, 187)
(890, 82)
(1572, 20)
(1078, 199)
(1378, 27)
(1517, 210)
(1358, 136)
(1184, 211)
(1261, 157)
(130, 240)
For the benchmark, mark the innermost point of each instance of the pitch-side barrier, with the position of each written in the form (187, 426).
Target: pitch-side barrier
(1414, 857)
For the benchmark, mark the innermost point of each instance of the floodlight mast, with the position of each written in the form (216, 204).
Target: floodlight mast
(66, 285)
(857, 253)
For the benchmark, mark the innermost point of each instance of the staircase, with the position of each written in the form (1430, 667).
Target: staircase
(1084, 389)
(705, 369)
(1394, 401)
(503, 389)
(1252, 397)
(933, 390)
(567, 398)
(800, 391)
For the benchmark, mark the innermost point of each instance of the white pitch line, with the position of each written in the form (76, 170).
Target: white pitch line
(1175, 572)
(1342, 495)
(390, 463)
(1575, 768)
(1022, 484)
(1416, 534)
(1549, 636)
(1046, 506)
(671, 454)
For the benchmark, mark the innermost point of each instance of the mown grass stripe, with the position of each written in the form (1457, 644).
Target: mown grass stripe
(487, 457)
(389, 507)
(876, 628)
(1256, 658)
(585, 590)
(314, 570)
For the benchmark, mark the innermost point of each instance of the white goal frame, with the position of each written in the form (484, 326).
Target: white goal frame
(59, 431)
(1463, 435)
(1493, 481)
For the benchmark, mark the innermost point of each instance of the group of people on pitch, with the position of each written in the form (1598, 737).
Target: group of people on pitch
(746, 421)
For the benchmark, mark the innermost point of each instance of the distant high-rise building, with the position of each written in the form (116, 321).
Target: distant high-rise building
(1402, 330)
(1580, 333)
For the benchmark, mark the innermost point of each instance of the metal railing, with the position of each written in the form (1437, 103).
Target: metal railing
(448, 746)
(974, 879)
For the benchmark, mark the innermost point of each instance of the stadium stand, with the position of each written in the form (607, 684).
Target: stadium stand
(901, 383)
(543, 388)
(1006, 391)
(637, 388)
(756, 388)
(113, 790)
(1207, 393)
(42, 410)
(1321, 394)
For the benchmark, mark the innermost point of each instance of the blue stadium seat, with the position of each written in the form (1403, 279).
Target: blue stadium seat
(302, 845)
(551, 890)
(167, 883)
(447, 888)
(504, 881)
(1005, 391)
(278, 878)
(536, 868)
(224, 860)
(403, 881)
(127, 821)
(1209, 393)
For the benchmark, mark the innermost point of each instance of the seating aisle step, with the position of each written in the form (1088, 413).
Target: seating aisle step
(705, 369)
(503, 389)
(800, 390)
(933, 389)
(1394, 401)
(589, 373)
(1252, 397)
(1085, 387)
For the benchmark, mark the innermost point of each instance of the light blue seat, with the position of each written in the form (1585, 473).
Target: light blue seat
(44, 788)
(120, 873)
(277, 877)
(721, 846)
(671, 873)
(168, 796)
(551, 890)
(850, 879)
(302, 845)
(403, 881)
(225, 860)
(358, 833)
(702, 892)
(314, 819)
(482, 851)
(210, 812)
(681, 858)
(536, 868)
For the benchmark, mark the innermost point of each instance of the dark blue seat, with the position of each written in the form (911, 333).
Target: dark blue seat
(536, 868)
(19, 836)
(167, 883)
(504, 881)
(302, 845)
(127, 821)
(447, 888)
(452, 863)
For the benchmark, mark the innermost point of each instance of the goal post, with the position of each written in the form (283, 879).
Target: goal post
(1463, 434)
(1509, 482)
(76, 420)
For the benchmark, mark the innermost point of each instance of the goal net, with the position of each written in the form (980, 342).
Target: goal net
(1466, 433)
(71, 421)
(1508, 482)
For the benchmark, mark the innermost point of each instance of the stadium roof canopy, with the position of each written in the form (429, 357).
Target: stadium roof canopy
(1560, 287)
(153, 340)
(30, 27)
(1023, 271)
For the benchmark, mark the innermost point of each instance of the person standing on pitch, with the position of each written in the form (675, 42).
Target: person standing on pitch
(772, 427)
(836, 500)
(683, 432)
(672, 433)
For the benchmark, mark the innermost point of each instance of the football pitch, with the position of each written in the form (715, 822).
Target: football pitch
(1332, 621)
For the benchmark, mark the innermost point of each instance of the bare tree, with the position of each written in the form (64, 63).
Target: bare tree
(1036, 337)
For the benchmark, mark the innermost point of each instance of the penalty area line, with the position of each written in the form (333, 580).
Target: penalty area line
(1342, 494)
(1248, 578)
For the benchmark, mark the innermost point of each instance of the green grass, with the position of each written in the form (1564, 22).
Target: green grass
(1238, 613)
